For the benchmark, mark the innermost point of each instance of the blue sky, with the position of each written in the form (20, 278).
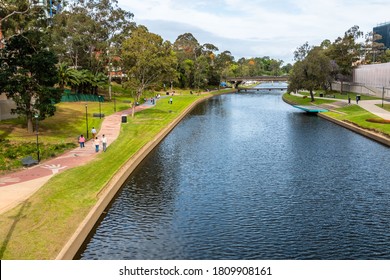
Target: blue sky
(256, 28)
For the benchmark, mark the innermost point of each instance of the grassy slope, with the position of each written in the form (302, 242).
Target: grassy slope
(40, 227)
(352, 113)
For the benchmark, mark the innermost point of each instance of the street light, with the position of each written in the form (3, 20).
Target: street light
(36, 132)
(86, 117)
(114, 104)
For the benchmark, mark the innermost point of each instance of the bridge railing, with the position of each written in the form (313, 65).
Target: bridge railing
(259, 78)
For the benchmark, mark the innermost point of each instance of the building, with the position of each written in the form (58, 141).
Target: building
(383, 29)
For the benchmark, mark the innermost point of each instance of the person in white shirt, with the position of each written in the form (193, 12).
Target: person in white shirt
(104, 142)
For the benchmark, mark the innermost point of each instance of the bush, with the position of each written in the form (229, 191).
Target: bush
(12, 153)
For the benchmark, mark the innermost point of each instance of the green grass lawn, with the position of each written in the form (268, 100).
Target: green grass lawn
(56, 134)
(40, 227)
(352, 113)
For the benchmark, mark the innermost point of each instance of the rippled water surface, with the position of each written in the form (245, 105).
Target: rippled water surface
(246, 176)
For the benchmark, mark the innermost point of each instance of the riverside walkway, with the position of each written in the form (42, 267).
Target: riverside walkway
(368, 105)
(18, 186)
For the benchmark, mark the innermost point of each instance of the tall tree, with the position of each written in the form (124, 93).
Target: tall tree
(90, 32)
(148, 60)
(374, 49)
(301, 52)
(224, 61)
(311, 73)
(28, 74)
(346, 51)
(16, 16)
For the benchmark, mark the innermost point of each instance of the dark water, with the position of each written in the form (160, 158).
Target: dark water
(246, 176)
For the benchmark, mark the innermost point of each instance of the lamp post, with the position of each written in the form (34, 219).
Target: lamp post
(383, 95)
(114, 104)
(100, 107)
(86, 117)
(36, 132)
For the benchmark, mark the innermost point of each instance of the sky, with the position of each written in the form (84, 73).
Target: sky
(257, 28)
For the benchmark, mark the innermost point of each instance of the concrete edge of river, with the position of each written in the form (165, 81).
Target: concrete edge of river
(365, 132)
(106, 195)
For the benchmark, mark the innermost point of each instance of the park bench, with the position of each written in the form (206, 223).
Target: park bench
(97, 115)
(29, 161)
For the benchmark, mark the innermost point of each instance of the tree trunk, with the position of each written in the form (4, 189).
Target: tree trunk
(133, 109)
(312, 95)
(30, 127)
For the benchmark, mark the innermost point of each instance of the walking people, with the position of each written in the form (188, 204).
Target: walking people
(104, 142)
(82, 141)
(93, 130)
(96, 142)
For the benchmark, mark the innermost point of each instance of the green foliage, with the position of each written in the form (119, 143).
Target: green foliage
(311, 72)
(28, 74)
(12, 153)
(148, 60)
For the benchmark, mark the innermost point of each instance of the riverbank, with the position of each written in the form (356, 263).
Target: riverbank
(41, 226)
(351, 117)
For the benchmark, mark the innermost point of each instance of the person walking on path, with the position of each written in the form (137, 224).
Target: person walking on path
(96, 142)
(82, 141)
(104, 142)
(93, 130)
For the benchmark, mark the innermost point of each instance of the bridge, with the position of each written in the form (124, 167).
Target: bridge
(236, 81)
(269, 88)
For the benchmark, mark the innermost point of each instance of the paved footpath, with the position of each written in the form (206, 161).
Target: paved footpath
(18, 186)
(368, 105)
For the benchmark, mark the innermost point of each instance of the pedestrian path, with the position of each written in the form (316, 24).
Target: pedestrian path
(18, 186)
(369, 105)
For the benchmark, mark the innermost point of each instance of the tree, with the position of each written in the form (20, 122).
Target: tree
(311, 73)
(89, 32)
(346, 52)
(374, 49)
(67, 76)
(27, 75)
(148, 59)
(224, 61)
(19, 15)
(301, 52)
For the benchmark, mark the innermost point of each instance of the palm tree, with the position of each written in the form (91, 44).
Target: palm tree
(67, 76)
(99, 80)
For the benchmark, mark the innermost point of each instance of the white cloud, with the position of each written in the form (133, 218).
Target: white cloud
(257, 27)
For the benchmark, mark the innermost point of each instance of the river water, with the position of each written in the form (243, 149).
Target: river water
(246, 176)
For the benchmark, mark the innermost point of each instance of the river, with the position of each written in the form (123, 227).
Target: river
(246, 176)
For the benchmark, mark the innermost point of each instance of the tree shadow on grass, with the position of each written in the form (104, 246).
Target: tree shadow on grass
(16, 219)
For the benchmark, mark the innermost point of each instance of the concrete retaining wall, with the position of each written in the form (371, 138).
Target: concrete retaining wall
(363, 89)
(369, 134)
